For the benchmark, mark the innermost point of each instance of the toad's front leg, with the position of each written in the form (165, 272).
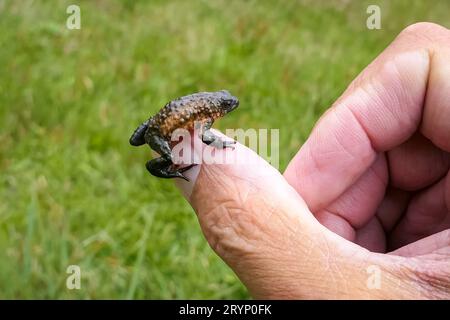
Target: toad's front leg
(210, 138)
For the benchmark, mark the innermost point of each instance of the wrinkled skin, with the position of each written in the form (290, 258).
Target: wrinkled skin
(369, 190)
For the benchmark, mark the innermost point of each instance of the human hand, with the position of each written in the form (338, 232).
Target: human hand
(370, 187)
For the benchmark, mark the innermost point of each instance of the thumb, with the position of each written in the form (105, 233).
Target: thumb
(260, 226)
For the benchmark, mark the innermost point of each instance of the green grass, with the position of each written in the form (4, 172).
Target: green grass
(72, 191)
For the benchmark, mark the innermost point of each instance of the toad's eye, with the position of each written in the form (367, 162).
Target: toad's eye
(230, 104)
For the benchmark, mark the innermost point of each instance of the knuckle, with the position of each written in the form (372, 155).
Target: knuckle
(433, 278)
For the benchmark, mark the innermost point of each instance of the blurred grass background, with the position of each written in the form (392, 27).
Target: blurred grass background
(72, 191)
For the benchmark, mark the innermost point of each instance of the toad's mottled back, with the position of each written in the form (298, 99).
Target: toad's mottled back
(184, 111)
(203, 107)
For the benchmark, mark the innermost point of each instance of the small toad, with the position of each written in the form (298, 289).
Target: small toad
(184, 112)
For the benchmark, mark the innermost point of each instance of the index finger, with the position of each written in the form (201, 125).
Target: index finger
(381, 109)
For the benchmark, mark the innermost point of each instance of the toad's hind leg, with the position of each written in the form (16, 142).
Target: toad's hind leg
(160, 145)
(137, 138)
(161, 167)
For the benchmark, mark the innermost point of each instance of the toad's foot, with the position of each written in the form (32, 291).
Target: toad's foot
(163, 168)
